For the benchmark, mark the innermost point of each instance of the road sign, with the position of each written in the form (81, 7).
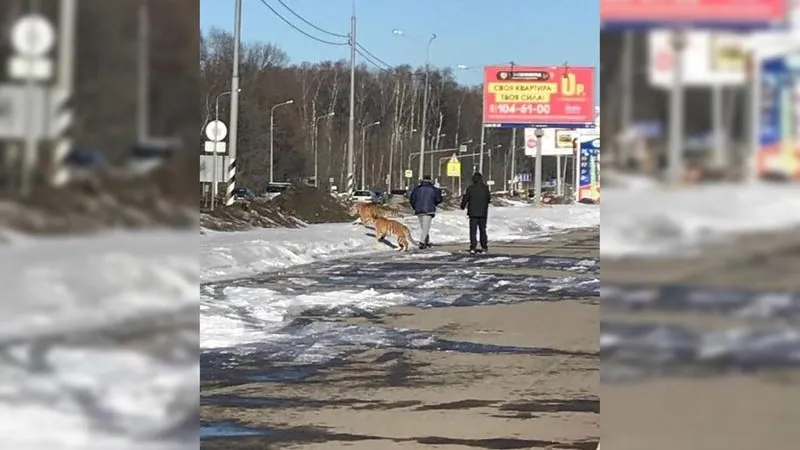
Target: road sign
(409, 173)
(462, 148)
(216, 131)
(697, 13)
(709, 58)
(14, 104)
(490, 183)
(221, 147)
(525, 177)
(543, 96)
(454, 167)
(207, 168)
(32, 36)
(21, 67)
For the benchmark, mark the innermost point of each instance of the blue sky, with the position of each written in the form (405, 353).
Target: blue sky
(469, 32)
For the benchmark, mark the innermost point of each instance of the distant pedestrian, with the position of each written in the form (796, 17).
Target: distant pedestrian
(476, 201)
(424, 199)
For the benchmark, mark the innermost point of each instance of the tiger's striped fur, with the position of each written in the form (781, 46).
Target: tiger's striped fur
(368, 212)
(387, 227)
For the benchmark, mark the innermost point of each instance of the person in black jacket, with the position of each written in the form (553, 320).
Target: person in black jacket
(424, 199)
(476, 202)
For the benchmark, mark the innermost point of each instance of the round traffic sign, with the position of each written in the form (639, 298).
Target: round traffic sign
(531, 143)
(663, 60)
(32, 35)
(216, 131)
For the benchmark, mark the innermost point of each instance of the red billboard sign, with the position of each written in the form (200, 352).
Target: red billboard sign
(710, 12)
(551, 96)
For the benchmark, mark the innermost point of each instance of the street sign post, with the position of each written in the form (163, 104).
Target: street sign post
(408, 173)
(215, 132)
(32, 38)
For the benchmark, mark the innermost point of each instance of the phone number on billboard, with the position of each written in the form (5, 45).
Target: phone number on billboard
(524, 108)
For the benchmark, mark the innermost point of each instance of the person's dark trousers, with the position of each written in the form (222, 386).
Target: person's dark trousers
(476, 225)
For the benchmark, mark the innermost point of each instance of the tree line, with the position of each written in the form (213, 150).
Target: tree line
(318, 118)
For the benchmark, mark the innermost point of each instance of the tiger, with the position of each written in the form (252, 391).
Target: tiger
(368, 212)
(387, 227)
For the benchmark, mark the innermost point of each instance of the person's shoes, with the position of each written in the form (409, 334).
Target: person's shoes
(422, 246)
(428, 245)
(484, 250)
(473, 251)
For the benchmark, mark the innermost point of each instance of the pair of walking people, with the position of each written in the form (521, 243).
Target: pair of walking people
(425, 197)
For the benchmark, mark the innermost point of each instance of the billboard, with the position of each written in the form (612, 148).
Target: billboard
(709, 59)
(704, 13)
(779, 124)
(555, 142)
(589, 173)
(544, 97)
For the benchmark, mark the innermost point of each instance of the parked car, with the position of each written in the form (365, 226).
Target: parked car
(400, 192)
(275, 189)
(148, 155)
(366, 197)
(243, 193)
(382, 196)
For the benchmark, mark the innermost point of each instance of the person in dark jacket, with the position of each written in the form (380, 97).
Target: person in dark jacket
(476, 202)
(424, 199)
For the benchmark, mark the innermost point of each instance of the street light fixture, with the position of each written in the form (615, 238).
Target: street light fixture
(272, 138)
(364, 152)
(316, 145)
(424, 96)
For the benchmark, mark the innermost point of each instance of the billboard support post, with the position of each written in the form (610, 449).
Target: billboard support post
(676, 105)
(537, 177)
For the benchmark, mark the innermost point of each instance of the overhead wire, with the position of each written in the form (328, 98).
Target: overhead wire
(298, 29)
(303, 19)
(360, 49)
(379, 66)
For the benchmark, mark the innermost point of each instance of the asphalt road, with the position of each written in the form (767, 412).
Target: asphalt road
(461, 352)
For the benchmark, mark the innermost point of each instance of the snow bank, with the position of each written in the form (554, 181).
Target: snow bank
(62, 384)
(654, 220)
(241, 254)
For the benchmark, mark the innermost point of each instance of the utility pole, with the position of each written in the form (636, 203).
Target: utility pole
(351, 186)
(143, 63)
(513, 157)
(234, 120)
(627, 98)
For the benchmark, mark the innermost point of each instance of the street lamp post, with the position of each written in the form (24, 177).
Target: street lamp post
(214, 187)
(424, 124)
(316, 146)
(364, 152)
(435, 147)
(402, 153)
(272, 138)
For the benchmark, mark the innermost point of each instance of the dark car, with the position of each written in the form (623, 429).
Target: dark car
(243, 193)
(400, 192)
(85, 158)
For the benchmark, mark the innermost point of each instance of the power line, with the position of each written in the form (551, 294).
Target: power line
(372, 55)
(321, 30)
(383, 67)
(287, 22)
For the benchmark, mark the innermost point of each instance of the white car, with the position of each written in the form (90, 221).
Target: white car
(365, 197)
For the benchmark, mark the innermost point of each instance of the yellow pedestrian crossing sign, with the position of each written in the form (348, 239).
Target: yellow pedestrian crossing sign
(454, 167)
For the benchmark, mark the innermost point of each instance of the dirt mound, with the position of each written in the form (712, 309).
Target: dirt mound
(113, 200)
(244, 215)
(311, 205)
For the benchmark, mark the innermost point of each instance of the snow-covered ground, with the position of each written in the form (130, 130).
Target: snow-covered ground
(642, 218)
(228, 255)
(233, 315)
(63, 384)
